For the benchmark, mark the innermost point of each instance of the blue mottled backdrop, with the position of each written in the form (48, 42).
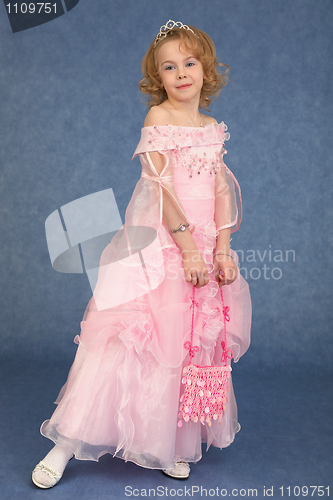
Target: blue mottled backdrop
(70, 120)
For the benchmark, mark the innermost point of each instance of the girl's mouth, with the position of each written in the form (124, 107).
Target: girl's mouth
(185, 86)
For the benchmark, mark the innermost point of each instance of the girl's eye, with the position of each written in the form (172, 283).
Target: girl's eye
(190, 63)
(168, 67)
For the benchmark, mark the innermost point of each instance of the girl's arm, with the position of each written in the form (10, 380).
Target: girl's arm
(193, 263)
(224, 266)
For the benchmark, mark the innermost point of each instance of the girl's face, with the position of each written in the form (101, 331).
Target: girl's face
(180, 72)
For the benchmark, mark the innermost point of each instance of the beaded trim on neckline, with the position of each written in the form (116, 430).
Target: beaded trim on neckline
(182, 126)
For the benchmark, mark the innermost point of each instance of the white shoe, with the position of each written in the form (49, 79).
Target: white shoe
(180, 471)
(50, 476)
(53, 476)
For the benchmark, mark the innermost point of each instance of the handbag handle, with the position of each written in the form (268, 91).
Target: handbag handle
(226, 353)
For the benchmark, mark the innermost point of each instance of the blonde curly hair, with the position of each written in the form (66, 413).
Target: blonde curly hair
(202, 48)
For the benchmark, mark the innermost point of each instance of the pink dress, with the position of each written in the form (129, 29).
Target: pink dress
(122, 392)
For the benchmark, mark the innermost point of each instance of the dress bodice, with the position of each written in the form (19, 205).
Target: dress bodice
(195, 156)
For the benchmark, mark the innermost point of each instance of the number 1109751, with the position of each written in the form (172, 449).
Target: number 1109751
(32, 8)
(304, 491)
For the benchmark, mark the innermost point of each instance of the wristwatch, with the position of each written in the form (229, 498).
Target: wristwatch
(181, 228)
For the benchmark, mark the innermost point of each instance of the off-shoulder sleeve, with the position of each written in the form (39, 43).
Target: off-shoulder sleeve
(228, 203)
(162, 138)
(228, 200)
(146, 206)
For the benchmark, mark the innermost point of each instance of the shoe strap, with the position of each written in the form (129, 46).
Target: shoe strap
(44, 468)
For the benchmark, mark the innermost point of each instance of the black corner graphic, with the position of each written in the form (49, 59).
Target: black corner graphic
(70, 4)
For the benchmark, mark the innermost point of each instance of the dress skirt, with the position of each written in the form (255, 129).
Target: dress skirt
(123, 389)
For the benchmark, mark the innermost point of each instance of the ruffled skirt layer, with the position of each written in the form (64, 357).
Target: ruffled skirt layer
(122, 392)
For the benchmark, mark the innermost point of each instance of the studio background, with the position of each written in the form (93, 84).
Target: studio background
(70, 120)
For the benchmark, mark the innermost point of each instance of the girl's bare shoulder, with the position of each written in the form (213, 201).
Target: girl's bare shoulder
(158, 115)
(206, 120)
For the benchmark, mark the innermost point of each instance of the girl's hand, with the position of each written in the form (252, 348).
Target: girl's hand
(195, 268)
(225, 269)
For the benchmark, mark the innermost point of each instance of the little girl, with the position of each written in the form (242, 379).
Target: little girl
(158, 303)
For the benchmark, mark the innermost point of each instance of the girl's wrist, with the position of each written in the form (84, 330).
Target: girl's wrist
(187, 252)
(181, 228)
(223, 253)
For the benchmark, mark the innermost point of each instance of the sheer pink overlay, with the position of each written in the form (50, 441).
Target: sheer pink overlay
(123, 389)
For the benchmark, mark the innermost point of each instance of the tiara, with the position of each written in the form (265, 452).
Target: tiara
(166, 28)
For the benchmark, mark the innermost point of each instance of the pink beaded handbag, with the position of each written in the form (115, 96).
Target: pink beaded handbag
(206, 387)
